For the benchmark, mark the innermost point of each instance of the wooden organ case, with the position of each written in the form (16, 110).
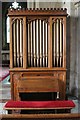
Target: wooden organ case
(37, 47)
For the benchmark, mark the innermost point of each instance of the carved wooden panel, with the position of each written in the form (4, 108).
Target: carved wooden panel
(43, 81)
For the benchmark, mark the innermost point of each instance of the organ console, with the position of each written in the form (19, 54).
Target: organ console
(38, 46)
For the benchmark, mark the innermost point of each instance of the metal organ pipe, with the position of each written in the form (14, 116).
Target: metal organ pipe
(60, 43)
(54, 43)
(34, 43)
(57, 95)
(43, 47)
(40, 44)
(63, 65)
(46, 45)
(18, 47)
(21, 44)
(57, 36)
(37, 41)
(29, 41)
(31, 47)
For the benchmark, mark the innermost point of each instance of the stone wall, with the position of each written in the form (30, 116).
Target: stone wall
(74, 84)
(78, 45)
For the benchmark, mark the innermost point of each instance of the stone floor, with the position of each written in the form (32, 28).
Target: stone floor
(5, 90)
(5, 95)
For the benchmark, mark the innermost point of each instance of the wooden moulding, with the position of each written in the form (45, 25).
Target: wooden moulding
(37, 69)
(38, 11)
(71, 116)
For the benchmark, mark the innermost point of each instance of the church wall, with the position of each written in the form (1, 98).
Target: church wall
(73, 57)
(78, 46)
(0, 32)
(75, 51)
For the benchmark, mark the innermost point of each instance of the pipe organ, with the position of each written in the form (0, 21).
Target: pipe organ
(38, 46)
(37, 43)
(57, 39)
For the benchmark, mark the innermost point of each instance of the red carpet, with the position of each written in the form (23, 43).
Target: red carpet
(4, 72)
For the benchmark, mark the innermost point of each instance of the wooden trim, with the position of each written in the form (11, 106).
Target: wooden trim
(67, 116)
(42, 12)
(37, 69)
(50, 43)
(64, 87)
(57, 108)
(11, 46)
(24, 44)
(64, 42)
(12, 85)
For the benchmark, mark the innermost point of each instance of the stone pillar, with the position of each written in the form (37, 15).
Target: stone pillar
(77, 8)
(36, 3)
(0, 34)
(74, 50)
(30, 4)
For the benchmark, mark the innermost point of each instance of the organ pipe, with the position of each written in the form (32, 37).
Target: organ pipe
(31, 47)
(57, 36)
(38, 35)
(46, 45)
(40, 45)
(29, 41)
(60, 42)
(21, 44)
(37, 41)
(54, 43)
(43, 47)
(18, 56)
(34, 43)
(57, 95)
(63, 46)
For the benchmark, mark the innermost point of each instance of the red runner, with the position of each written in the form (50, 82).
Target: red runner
(4, 72)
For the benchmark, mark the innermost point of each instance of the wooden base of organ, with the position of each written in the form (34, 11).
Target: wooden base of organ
(37, 48)
(43, 75)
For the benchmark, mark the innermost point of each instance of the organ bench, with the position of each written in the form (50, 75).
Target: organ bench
(40, 85)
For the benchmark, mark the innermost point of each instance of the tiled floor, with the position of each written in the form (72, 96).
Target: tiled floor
(5, 95)
(4, 72)
(5, 89)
